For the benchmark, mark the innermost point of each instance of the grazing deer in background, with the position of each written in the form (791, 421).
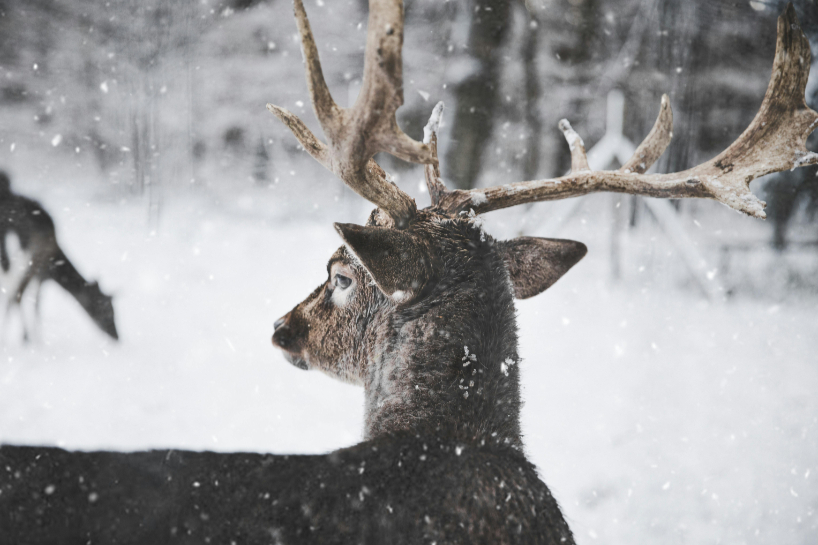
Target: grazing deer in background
(29, 255)
(418, 308)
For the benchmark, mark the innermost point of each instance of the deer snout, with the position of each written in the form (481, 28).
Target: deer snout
(282, 333)
(287, 339)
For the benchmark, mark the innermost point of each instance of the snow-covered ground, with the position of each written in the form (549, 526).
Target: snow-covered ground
(655, 416)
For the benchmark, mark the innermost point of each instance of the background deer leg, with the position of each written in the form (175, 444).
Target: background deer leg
(12, 309)
(30, 311)
(17, 300)
(7, 319)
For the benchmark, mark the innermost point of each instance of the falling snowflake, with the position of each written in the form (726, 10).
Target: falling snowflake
(506, 365)
(468, 358)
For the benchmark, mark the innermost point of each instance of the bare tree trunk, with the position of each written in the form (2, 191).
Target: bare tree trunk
(189, 86)
(531, 163)
(153, 155)
(676, 54)
(261, 163)
(7, 45)
(137, 141)
(476, 96)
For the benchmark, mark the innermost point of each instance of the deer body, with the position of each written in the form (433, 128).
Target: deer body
(397, 490)
(26, 226)
(443, 458)
(400, 489)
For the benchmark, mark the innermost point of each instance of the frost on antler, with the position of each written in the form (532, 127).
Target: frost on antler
(579, 160)
(356, 134)
(655, 143)
(434, 182)
(774, 141)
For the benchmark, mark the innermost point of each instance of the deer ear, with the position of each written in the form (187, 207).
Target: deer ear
(534, 264)
(396, 260)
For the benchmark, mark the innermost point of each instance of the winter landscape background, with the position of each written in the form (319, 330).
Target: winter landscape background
(669, 395)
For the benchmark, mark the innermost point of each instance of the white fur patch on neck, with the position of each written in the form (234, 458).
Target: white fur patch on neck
(399, 296)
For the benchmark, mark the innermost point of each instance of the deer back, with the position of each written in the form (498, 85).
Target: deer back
(402, 489)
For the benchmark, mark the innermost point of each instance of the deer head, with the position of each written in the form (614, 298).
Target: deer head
(99, 307)
(423, 318)
(418, 304)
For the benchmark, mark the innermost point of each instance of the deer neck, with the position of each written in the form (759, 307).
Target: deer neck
(449, 364)
(62, 271)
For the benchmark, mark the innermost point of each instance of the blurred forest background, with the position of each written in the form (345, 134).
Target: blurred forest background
(161, 97)
(669, 379)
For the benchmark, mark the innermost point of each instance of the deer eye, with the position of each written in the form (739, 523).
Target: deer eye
(341, 281)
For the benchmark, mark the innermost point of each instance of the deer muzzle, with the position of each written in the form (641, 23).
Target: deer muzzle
(285, 338)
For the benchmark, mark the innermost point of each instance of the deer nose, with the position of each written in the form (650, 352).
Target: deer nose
(282, 333)
(280, 322)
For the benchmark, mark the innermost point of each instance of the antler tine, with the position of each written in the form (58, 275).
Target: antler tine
(655, 143)
(356, 134)
(434, 182)
(579, 160)
(326, 110)
(774, 141)
(382, 86)
(495, 198)
(311, 144)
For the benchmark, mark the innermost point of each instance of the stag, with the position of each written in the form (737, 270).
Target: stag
(418, 307)
(26, 227)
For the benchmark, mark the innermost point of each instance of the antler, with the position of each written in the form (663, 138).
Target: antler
(356, 134)
(774, 141)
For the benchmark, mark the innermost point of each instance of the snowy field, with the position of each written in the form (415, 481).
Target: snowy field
(654, 415)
